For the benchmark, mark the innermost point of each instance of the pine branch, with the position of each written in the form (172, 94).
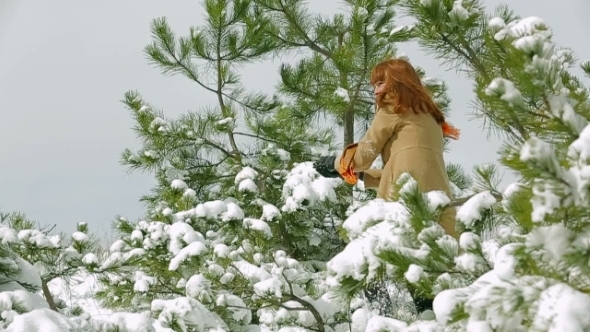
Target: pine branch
(460, 201)
(315, 313)
(302, 33)
(49, 297)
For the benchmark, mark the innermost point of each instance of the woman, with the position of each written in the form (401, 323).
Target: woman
(407, 131)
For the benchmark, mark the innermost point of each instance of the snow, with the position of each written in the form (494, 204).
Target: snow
(562, 308)
(471, 211)
(506, 90)
(143, 282)
(437, 199)
(555, 240)
(131, 322)
(199, 287)
(212, 209)
(342, 93)
(225, 122)
(33, 236)
(80, 237)
(248, 185)
(272, 149)
(497, 23)
(378, 226)
(304, 187)
(270, 212)
(192, 250)
(562, 109)
(378, 323)
(246, 173)
(178, 184)
(458, 13)
(44, 320)
(90, 258)
(528, 30)
(414, 273)
(469, 241)
(257, 225)
(362, 11)
(372, 212)
(158, 124)
(401, 28)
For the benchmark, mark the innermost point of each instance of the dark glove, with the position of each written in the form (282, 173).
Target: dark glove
(325, 166)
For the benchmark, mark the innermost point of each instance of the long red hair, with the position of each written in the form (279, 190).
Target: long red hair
(405, 92)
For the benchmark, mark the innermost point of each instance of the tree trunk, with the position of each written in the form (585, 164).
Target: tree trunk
(48, 296)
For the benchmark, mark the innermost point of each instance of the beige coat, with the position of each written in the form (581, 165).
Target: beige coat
(411, 143)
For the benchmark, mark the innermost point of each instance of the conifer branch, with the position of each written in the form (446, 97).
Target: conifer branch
(302, 34)
(460, 201)
(49, 297)
(315, 313)
(465, 50)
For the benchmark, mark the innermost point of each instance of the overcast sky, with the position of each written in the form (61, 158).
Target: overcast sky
(65, 65)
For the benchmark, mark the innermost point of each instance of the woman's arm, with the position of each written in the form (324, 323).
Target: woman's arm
(382, 128)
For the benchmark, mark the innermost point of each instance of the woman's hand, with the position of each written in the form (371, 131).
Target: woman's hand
(325, 166)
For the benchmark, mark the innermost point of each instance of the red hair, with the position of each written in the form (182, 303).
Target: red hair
(405, 92)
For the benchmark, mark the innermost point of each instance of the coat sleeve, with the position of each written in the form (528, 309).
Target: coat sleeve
(382, 128)
(371, 178)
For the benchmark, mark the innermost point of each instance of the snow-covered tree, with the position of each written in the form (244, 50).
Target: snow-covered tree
(54, 256)
(32, 260)
(521, 262)
(239, 226)
(245, 235)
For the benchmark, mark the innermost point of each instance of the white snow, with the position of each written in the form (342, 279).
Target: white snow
(257, 225)
(506, 90)
(304, 187)
(471, 211)
(414, 273)
(342, 93)
(400, 28)
(178, 184)
(80, 237)
(246, 173)
(192, 250)
(270, 212)
(226, 121)
(458, 13)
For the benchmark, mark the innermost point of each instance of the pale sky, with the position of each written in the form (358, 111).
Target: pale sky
(65, 65)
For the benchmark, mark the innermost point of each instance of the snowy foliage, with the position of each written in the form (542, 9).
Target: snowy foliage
(219, 267)
(32, 263)
(248, 237)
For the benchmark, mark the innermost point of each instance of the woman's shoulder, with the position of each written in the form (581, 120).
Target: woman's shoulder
(386, 109)
(390, 109)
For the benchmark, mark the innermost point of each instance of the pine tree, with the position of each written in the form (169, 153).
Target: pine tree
(332, 78)
(33, 259)
(237, 231)
(521, 262)
(55, 256)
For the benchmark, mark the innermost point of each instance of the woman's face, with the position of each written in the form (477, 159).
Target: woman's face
(379, 88)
